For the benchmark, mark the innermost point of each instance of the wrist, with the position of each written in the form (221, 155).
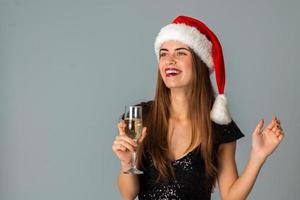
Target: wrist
(258, 157)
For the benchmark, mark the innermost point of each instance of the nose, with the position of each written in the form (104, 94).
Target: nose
(170, 60)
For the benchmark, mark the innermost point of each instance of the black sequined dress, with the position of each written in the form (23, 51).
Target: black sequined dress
(190, 182)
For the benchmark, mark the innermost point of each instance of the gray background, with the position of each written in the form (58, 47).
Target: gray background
(67, 68)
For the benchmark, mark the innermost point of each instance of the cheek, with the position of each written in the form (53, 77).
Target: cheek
(189, 62)
(188, 71)
(160, 70)
(188, 66)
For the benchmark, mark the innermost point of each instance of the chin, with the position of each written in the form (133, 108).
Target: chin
(175, 86)
(171, 85)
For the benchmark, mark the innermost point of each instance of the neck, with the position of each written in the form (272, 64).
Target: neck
(179, 104)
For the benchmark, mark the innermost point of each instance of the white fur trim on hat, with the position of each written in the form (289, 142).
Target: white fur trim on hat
(189, 36)
(219, 112)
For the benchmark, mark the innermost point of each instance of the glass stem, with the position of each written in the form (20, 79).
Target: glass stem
(133, 163)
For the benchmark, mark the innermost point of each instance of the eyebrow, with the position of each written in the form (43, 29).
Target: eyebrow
(181, 48)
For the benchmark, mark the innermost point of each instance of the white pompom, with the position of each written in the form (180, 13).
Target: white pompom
(219, 112)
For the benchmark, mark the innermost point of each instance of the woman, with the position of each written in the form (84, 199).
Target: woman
(189, 140)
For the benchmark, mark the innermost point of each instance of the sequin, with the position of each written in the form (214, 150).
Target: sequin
(165, 192)
(190, 182)
(185, 163)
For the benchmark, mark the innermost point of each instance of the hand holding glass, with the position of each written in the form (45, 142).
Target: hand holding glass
(134, 126)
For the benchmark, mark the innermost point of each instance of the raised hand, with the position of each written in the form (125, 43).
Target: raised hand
(123, 146)
(266, 140)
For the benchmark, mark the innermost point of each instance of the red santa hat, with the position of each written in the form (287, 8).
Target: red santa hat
(206, 45)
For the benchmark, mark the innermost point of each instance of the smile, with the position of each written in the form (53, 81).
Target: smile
(172, 72)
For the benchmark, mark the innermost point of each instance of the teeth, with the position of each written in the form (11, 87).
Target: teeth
(172, 71)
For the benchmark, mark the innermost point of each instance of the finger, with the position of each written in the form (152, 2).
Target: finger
(278, 133)
(125, 144)
(144, 133)
(259, 127)
(277, 120)
(274, 129)
(116, 147)
(122, 148)
(280, 137)
(271, 124)
(122, 124)
(278, 127)
(121, 127)
(119, 147)
(127, 139)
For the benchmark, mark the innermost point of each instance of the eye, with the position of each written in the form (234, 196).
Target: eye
(162, 54)
(181, 53)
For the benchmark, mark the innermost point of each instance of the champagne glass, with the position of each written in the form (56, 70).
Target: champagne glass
(134, 126)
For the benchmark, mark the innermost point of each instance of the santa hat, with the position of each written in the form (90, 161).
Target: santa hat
(206, 45)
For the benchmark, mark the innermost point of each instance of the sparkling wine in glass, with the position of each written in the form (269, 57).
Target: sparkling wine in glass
(134, 126)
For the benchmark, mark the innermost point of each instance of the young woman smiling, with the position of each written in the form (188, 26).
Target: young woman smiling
(188, 141)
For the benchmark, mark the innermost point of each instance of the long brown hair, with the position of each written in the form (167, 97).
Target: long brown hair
(156, 120)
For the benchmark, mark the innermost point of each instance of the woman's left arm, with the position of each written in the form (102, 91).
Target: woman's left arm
(264, 142)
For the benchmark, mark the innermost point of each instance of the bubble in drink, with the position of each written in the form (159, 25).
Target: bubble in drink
(134, 128)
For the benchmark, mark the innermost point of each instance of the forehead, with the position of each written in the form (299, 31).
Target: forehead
(173, 44)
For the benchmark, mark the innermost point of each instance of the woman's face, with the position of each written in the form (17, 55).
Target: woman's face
(176, 65)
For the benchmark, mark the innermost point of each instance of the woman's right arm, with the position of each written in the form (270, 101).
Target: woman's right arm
(128, 184)
(123, 147)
